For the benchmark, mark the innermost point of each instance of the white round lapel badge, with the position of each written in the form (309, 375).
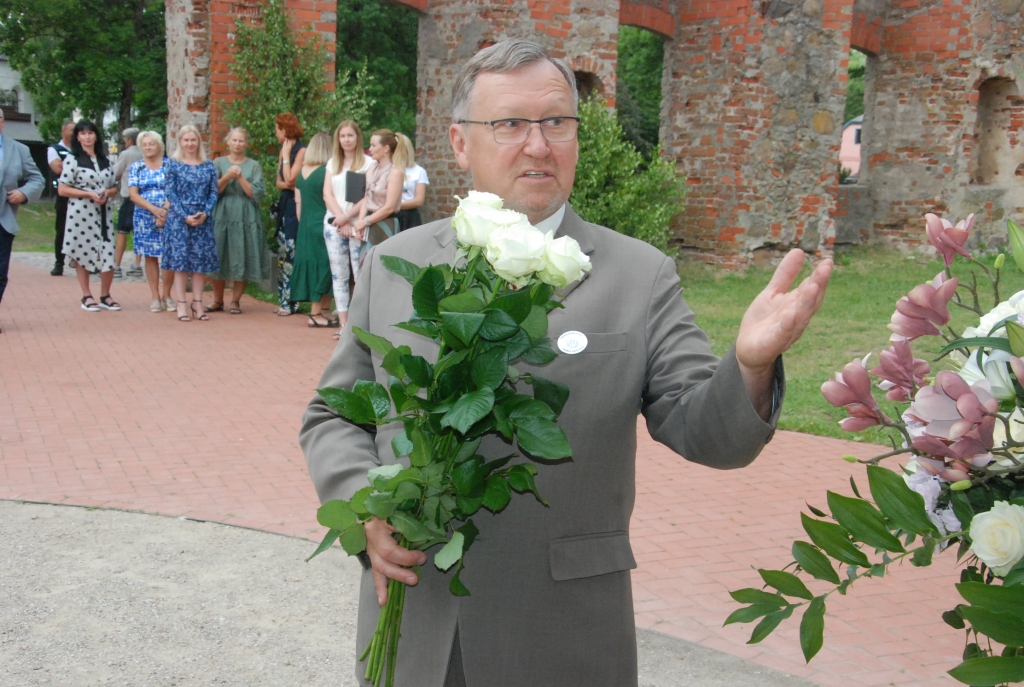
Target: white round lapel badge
(572, 343)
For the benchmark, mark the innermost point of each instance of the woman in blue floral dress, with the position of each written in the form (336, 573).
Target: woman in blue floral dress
(189, 245)
(146, 180)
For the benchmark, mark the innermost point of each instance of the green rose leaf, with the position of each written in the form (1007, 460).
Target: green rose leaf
(757, 596)
(1005, 628)
(1016, 245)
(466, 301)
(814, 562)
(407, 490)
(420, 326)
(466, 450)
(536, 323)
(901, 504)
(1015, 333)
(769, 623)
(380, 505)
(448, 361)
(427, 293)
(463, 325)
(336, 514)
(468, 477)
(518, 305)
(418, 370)
(468, 505)
(469, 409)
(376, 395)
(421, 449)
(541, 293)
(349, 405)
(990, 670)
(410, 528)
(539, 353)
(542, 439)
(358, 501)
(554, 394)
(450, 553)
(785, 582)
(325, 543)
(833, 540)
(403, 268)
(993, 597)
(497, 493)
(863, 521)
(377, 344)
(812, 628)
(489, 369)
(954, 619)
(353, 540)
(498, 325)
(392, 362)
(401, 444)
(520, 478)
(749, 614)
(522, 406)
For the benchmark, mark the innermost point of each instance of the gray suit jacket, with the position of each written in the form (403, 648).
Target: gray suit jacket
(18, 171)
(551, 599)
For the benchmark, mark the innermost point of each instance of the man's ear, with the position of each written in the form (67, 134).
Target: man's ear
(460, 144)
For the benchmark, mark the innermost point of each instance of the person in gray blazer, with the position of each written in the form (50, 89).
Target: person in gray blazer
(20, 182)
(552, 602)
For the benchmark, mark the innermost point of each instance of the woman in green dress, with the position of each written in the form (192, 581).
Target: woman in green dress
(237, 224)
(311, 271)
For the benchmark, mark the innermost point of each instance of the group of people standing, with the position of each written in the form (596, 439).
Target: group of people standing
(200, 219)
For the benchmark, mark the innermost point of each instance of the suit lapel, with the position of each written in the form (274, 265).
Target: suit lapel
(576, 228)
(445, 237)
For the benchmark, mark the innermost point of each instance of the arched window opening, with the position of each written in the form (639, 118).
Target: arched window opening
(588, 84)
(853, 117)
(997, 152)
(638, 86)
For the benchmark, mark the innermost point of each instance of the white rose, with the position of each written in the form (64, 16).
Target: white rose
(516, 252)
(995, 369)
(564, 262)
(997, 537)
(478, 215)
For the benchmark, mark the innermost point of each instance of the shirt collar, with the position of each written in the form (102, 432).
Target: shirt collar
(552, 223)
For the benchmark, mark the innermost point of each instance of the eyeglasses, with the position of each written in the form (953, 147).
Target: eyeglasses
(515, 131)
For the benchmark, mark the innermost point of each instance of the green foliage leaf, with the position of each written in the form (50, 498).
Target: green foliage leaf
(413, 530)
(376, 395)
(325, 543)
(392, 362)
(518, 305)
(814, 562)
(407, 490)
(380, 505)
(377, 344)
(1005, 628)
(898, 502)
(497, 493)
(418, 370)
(993, 597)
(1016, 243)
(539, 353)
(787, 583)
(468, 477)
(542, 439)
(358, 501)
(863, 521)
(995, 342)
(353, 540)
(463, 325)
(962, 508)
(554, 394)
(520, 478)
(421, 451)
(923, 554)
(402, 267)
(455, 586)
(420, 326)
(990, 670)
(536, 324)
(402, 445)
(521, 407)
(490, 368)
(336, 514)
(1015, 333)
(769, 623)
(833, 540)
(749, 614)
(812, 628)
(466, 301)
(427, 293)
(349, 405)
(498, 325)
(469, 409)
(450, 553)
(757, 596)
(954, 619)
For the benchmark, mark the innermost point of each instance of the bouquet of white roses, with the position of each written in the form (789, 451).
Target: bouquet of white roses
(485, 312)
(961, 432)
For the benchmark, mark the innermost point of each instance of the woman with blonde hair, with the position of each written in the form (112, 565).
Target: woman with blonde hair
(311, 272)
(383, 197)
(189, 246)
(414, 188)
(342, 247)
(146, 181)
(237, 225)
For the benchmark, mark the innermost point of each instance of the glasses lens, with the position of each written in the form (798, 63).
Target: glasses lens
(558, 129)
(511, 130)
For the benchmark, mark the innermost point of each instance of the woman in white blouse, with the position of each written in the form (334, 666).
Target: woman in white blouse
(342, 245)
(414, 188)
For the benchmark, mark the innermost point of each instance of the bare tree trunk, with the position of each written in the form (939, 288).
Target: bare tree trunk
(125, 118)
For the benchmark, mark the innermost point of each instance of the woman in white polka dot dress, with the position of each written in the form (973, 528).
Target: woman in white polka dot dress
(88, 183)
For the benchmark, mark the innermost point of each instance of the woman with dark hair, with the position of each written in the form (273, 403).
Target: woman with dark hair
(87, 181)
(293, 152)
(383, 199)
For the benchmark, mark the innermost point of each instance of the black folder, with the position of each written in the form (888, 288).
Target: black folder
(355, 186)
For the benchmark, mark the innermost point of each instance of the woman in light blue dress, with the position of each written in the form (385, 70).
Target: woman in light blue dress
(146, 180)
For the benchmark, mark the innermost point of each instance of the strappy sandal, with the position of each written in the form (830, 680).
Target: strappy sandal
(108, 303)
(236, 308)
(313, 323)
(90, 307)
(183, 318)
(198, 314)
(215, 307)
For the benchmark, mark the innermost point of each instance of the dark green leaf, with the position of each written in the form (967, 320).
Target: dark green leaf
(455, 586)
(449, 361)
(516, 344)
(498, 325)
(336, 514)
(898, 502)
(421, 448)
(469, 409)
(554, 394)
(376, 395)
(990, 671)
(540, 353)
(392, 362)
(989, 596)
(785, 582)
(470, 532)
(833, 540)
(769, 623)
(377, 344)
(1017, 251)
(996, 342)
(427, 292)
(542, 439)
(490, 368)
(497, 493)
(817, 511)
(466, 450)
(468, 505)
(517, 305)
(403, 268)
(413, 530)
(463, 325)
(853, 485)
(353, 540)
(520, 478)
(468, 477)
(954, 620)
(399, 396)
(522, 406)
(749, 614)
(418, 370)
(536, 324)
(349, 405)
(814, 562)
(541, 293)
(863, 521)
(325, 543)
(461, 302)
(962, 508)
(923, 554)
(1005, 628)
(420, 326)
(757, 596)
(812, 628)
(402, 445)
(380, 505)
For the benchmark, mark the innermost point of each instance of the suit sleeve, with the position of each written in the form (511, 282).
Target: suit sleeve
(33, 186)
(339, 453)
(693, 402)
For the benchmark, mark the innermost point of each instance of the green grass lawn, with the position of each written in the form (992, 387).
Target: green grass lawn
(38, 227)
(861, 298)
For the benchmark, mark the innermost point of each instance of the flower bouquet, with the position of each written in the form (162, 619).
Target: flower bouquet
(485, 312)
(961, 485)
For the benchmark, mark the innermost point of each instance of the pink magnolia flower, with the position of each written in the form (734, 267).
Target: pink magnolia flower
(918, 313)
(946, 238)
(851, 389)
(901, 372)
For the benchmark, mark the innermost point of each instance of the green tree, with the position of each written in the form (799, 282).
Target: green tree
(383, 36)
(638, 86)
(855, 85)
(617, 187)
(91, 55)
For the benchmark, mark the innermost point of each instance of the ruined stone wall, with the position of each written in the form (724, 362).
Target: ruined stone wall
(755, 93)
(584, 32)
(188, 66)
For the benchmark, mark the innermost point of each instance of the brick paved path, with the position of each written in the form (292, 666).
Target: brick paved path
(134, 410)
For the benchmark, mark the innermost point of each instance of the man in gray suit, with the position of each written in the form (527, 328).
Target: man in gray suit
(20, 182)
(551, 599)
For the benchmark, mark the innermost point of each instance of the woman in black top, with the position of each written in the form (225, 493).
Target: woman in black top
(293, 152)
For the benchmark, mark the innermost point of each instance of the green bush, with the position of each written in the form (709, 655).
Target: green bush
(616, 188)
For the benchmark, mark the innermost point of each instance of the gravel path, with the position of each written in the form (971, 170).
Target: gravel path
(101, 597)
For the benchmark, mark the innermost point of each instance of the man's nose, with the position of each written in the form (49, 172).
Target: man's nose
(536, 145)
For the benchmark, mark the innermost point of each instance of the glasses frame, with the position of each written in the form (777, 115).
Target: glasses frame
(528, 121)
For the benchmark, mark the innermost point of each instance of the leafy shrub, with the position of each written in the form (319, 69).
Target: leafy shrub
(616, 188)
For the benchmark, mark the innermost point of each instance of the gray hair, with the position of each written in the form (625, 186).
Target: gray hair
(152, 135)
(130, 134)
(504, 56)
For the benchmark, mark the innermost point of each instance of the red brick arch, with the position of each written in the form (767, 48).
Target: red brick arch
(866, 33)
(648, 15)
(418, 5)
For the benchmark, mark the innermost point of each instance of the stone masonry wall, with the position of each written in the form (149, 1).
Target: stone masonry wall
(188, 65)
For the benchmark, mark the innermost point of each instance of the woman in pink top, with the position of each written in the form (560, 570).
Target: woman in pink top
(383, 187)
